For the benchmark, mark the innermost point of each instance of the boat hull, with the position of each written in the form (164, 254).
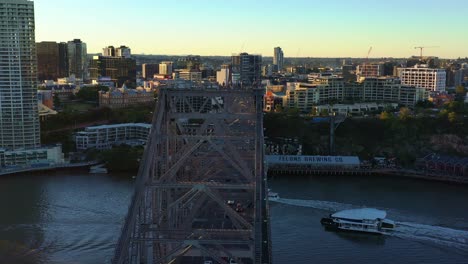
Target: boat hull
(330, 225)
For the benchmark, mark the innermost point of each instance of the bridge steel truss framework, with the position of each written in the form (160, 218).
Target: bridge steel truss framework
(201, 189)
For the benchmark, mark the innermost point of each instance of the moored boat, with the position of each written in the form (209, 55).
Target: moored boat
(272, 196)
(367, 220)
(98, 169)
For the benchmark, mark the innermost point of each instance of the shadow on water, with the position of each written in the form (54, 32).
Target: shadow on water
(359, 238)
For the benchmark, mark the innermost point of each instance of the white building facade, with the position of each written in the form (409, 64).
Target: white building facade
(31, 158)
(332, 90)
(104, 137)
(427, 78)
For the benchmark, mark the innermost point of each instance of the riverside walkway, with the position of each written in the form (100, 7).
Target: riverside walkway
(396, 172)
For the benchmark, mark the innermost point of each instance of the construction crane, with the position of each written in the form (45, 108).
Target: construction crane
(362, 69)
(368, 53)
(421, 49)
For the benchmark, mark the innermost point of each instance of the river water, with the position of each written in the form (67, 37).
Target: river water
(76, 218)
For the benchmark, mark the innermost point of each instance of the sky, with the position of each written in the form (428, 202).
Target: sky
(303, 28)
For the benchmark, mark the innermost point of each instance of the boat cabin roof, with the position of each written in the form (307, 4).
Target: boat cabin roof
(361, 214)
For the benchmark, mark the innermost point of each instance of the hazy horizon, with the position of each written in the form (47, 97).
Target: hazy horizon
(303, 28)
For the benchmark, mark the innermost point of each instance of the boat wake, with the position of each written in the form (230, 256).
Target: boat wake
(444, 236)
(440, 236)
(321, 205)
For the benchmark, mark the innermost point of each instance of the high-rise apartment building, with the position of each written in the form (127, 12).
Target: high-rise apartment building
(77, 59)
(427, 78)
(278, 59)
(19, 119)
(248, 67)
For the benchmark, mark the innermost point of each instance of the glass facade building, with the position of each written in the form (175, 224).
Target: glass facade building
(77, 59)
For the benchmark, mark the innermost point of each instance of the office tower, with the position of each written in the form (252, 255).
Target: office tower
(63, 59)
(19, 120)
(77, 59)
(430, 79)
(223, 76)
(278, 58)
(121, 70)
(108, 51)
(123, 51)
(149, 70)
(47, 60)
(165, 68)
(248, 68)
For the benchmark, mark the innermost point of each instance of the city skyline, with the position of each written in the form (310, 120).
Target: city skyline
(302, 28)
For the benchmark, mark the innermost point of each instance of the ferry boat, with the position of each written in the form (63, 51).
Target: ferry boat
(367, 220)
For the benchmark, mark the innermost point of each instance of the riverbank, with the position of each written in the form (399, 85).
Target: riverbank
(404, 139)
(425, 176)
(57, 167)
(403, 173)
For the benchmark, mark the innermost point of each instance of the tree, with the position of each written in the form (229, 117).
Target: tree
(278, 108)
(460, 93)
(314, 111)
(425, 104)
(293, 111)
(91, 93)
(452, 117)
(57, 103)
(122, 158)
(443, 113)
(324, 112)
(385, 115)
(455, 106)
(405, 113)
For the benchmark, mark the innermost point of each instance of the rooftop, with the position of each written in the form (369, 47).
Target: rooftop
(361, 214)
(143, 125)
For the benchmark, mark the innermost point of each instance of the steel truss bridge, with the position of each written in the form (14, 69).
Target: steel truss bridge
(201, 191)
